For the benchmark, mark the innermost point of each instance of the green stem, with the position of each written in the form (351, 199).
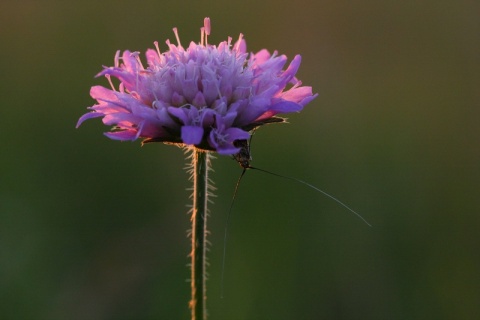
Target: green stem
(200, 164)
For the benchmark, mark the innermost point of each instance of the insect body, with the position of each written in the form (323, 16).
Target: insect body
(243, 156)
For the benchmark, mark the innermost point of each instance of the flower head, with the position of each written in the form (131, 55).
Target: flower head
(205, 96)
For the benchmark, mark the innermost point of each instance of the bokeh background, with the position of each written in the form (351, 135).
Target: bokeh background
(96, 229)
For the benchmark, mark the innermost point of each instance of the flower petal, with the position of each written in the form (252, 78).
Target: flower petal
(86, 116)
(192, 135)
(123, 135)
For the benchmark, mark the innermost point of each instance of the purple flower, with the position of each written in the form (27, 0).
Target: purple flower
(204, 96)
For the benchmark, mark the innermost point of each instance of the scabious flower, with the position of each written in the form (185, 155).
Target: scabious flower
(204, 96)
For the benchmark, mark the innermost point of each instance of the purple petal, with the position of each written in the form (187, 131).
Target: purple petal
(199, 100)
(308, 99)
(129, 61)
(86, 116)
(152, 57)
(297, 94)
(281, 107)
(178, 100)
(261, 56)
(229, 118)
(124, 135)
(207, 118)
(240, 45)
(237, 134)
(292, 68)
(99, 92)
(164, 118)
(192, 135)
(178, 113)
(121, 118)
(151, 130)
(285, 107)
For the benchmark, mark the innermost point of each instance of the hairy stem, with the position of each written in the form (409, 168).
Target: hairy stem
(200, 166)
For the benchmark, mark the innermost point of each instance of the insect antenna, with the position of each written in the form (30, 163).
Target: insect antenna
(314, 188)
(243, 158)
(226, 230)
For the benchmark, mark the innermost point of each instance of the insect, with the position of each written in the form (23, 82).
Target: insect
(243, 157)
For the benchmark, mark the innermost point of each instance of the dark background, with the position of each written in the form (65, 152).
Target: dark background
(96, 229)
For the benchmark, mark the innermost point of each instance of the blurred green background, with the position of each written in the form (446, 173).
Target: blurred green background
(96, 229)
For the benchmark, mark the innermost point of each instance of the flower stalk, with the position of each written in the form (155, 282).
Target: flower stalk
(200, 166)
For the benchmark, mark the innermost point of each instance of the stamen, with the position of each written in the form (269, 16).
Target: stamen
(136, 54)
(170, 46)
(110, 81)
(116, 59)
(206, 24)
(202, 36)
(155, 43)
(175, 31)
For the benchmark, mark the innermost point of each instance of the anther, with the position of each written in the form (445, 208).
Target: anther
(206, 24)
(175, 31)
(110, 81)
(155, 43)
